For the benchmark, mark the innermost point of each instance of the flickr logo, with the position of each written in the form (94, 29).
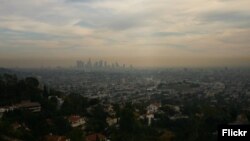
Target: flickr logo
(233, 133)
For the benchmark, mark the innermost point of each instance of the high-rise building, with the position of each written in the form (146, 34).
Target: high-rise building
(89, 63)
(100, 63)
(105, 64)
(79, 64)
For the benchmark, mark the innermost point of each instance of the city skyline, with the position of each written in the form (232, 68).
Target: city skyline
(144, 33)
(101, 65)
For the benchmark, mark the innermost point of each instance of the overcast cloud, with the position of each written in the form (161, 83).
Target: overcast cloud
(123, 29)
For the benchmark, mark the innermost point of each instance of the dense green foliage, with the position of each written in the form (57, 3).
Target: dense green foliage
(13, 90)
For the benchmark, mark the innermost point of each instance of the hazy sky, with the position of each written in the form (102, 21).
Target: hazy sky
(139, 32)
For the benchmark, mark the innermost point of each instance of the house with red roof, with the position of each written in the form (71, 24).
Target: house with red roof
(96, 137)
(76, 121)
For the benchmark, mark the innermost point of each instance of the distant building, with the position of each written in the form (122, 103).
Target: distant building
(101, 65)
(89, 64)
(241, 119)
(149, 117)
(76, 121)
(25, 105)
(96, 137)
(80, 64)
(31, 106)
(4, 109)
(55, 138)
(111, 121)
(152, 108)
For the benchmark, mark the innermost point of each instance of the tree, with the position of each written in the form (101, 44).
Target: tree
(76, 135)
(97, 119)
(74, 104)
(32, 82)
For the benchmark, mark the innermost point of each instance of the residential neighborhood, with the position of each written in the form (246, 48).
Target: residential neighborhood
(150, 105)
